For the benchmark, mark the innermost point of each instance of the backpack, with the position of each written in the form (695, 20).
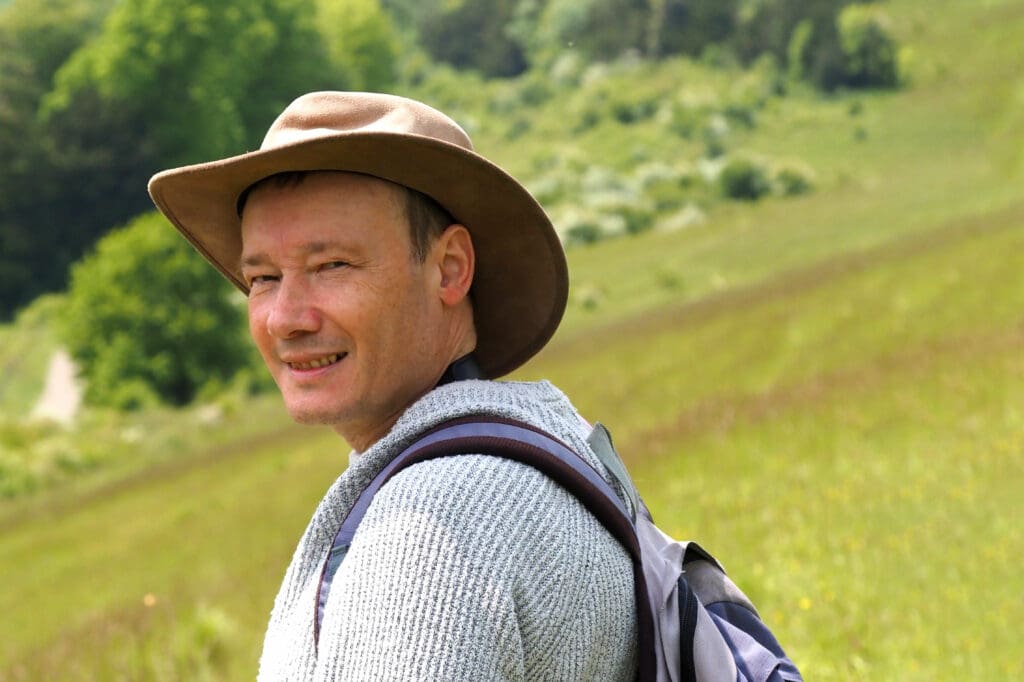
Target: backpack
(694, 624)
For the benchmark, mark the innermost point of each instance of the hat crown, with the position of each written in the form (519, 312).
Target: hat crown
(328, 114)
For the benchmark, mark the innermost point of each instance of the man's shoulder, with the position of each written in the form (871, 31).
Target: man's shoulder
(486, 510)
(465, 481)
(539, 405)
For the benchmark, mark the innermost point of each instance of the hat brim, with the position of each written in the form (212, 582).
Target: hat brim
(520, 286)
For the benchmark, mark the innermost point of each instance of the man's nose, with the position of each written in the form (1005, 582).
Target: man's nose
(293, 312)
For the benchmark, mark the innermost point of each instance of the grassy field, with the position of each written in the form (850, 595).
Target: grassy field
(827, 392)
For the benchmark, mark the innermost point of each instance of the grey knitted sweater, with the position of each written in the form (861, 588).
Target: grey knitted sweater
(465, 568)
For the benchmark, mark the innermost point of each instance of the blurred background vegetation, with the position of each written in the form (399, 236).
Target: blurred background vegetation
(795, 232)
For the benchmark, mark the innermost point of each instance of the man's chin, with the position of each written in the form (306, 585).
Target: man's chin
(312, 417)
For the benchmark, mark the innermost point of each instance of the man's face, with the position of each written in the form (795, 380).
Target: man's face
(347, 321)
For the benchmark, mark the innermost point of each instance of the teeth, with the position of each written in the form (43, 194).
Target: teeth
(316, 364)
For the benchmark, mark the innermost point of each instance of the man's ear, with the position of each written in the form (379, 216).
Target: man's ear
(455, 256)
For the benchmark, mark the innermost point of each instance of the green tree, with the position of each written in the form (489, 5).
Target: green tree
(689, 26)
(148, 319)
(869, 51)
(597, 29)
(361, 41)
(800, 29)
(87, 115)
(200, 78)
(468, 34)
(36, 36)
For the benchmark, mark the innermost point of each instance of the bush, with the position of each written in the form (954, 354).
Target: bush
(583, 232)
(638, 217)
(665, 187)
(743, 179)
(869, 51)
(148, 319)
(628, 112)
(715, 133)
(581, 226)
(792, 181)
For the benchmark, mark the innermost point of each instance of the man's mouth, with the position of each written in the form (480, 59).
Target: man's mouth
(318, 363)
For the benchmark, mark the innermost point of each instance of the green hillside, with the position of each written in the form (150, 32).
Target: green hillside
(826, 390)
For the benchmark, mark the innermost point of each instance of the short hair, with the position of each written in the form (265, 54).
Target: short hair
(427, 219)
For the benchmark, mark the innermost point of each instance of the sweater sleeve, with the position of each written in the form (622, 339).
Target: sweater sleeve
(479, 568)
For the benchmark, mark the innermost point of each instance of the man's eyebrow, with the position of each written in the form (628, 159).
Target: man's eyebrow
(320, 247)
(253, 260)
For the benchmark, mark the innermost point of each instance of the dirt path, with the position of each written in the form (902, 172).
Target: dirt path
(62, 393)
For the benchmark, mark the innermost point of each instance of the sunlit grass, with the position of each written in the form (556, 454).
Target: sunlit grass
(219, 533)
(877, 522)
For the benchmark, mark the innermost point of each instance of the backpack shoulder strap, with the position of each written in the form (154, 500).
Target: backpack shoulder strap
(528, 445)
(600, 441)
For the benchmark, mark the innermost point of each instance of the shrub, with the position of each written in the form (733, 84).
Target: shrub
(518, 127)
(715, 134)
(685, 120)
(549, 188)
(638, 217)
(628, 112)
(742, 115)
(665, 187)
(743, 179)
(588, 225)
(589, 117)
(869, 51)
(689, 215)
(791, 181)
(148, 319)
(583, 232)
(589, 296)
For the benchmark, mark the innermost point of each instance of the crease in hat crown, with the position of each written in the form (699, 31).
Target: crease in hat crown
(323, 114)
(521, 285)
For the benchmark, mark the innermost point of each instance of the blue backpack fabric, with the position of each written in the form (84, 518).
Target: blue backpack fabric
(693, 623)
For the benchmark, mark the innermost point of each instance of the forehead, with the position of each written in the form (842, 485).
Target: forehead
(326, 182)
(321, 203)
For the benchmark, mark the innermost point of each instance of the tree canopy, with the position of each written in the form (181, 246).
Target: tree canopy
(148, 320)
(93, 102)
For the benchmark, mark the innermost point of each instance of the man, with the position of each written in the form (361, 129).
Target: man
(392, 275)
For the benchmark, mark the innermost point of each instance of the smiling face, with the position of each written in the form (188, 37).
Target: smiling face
(352, 327)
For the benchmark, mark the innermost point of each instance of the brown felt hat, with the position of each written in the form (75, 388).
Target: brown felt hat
(521, 282)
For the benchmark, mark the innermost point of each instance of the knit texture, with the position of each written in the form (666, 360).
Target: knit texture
(464, 568)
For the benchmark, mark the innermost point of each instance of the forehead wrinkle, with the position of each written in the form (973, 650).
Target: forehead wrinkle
(308, 249)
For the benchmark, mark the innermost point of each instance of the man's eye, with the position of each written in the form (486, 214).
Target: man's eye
(257, 280)
(334, 264)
